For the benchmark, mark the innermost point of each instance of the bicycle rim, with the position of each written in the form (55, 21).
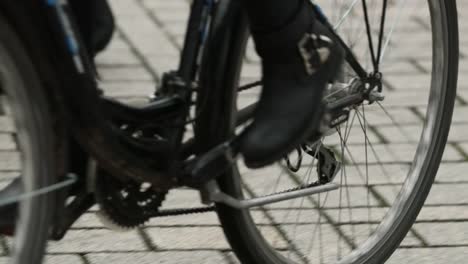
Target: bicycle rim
(389, 150)
(25, 153)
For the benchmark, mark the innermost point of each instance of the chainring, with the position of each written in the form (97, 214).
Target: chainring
(127, 205)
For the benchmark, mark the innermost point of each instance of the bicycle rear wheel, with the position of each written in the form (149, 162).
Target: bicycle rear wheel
(389, 150)
(26, 154)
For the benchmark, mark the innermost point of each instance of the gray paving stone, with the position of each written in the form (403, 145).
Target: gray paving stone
(464, 147)
(429, 255)
(356, 136)
(377, 117)
(441, 194)
(117, 58)
(6, 124)
(440, 234)
(128, 89)
(182, 198)
(159, 5)
(163, 63)
(184, 238)
(205, 219)
(8, 176)
(54, 259)
(401, 134)
(232, 258)
(397, 152)
(7, 142)
(364, 216)
(117, 44)
(176, 29)
(180, 257)
(458, 133)
(463, 95)
(406, 98)
(375, 174)
(124, 8)
(88, 220)
(100, 240)
(452, 172)
(10, 160)
(460, 114)
(361, 233)
(419, 81)
(443, 213)
(176, 15)
(125, 74)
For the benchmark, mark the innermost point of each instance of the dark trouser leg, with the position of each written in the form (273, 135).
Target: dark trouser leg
(269, 15)
(83, 10)
(95, 21)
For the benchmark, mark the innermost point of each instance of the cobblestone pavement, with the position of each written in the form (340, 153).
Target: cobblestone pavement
(147, 43)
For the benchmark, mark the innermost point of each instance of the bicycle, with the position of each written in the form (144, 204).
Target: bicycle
(135, 155)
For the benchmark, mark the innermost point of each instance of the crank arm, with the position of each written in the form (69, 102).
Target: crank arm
(209, 166)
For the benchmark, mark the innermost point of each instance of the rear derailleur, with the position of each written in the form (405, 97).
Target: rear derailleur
(328, 165)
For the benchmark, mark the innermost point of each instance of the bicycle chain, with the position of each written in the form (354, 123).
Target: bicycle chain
(110, 209)
(207, 209)
(184, 211)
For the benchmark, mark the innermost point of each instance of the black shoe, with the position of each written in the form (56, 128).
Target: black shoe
(298, 63)
(8, 213)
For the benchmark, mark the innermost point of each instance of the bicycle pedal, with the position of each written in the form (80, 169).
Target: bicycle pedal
(209, 165)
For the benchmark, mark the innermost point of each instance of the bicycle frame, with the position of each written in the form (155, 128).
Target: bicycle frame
(84, 107)
(69, 76)
(88, 114)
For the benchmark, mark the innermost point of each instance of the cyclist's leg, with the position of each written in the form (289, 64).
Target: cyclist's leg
(95, 21)
(299, 57)
(264, 15)
(83, 10)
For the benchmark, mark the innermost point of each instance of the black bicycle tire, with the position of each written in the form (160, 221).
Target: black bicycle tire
(38, 122)
(241, 233)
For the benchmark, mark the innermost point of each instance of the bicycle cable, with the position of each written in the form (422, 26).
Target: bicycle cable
(72, 179)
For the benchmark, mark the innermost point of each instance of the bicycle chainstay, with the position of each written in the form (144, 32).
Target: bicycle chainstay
(207, 209)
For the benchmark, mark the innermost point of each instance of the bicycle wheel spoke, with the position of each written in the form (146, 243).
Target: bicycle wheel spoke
(320, 206)
(381, 33)
(394, 122)
(345, 179)
(376, 156)
(369, 209)
(399, 12)
(369, 33)
(306, 180)
(346, 14)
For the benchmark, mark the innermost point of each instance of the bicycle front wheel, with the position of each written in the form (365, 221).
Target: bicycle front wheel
(27, 154)
(389, 149)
